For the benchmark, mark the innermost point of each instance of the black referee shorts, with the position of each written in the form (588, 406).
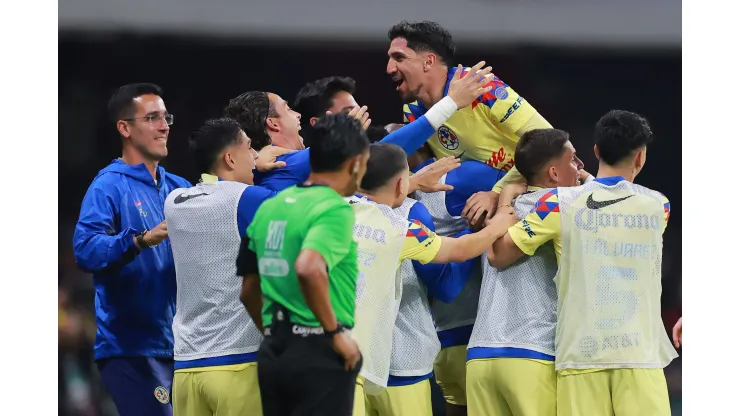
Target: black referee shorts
(300, 374)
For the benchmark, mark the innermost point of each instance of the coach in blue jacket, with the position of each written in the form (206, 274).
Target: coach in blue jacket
(121, 237)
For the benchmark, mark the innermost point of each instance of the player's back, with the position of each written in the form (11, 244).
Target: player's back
(203, 229)
(517, 311)
(277, 234)
(415, 342)
(609, 281)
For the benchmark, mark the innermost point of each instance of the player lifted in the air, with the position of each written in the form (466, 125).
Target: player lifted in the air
(611, 346)
(422, 63)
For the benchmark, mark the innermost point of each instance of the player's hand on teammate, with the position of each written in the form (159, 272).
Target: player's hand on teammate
(480, 206)
(510, 192)
(678, 333)
(347, 348)
(464, 90)
(361, 114)
(266, 159)
(427, 178)
(505, 217)
(582, 176)
(157, 234)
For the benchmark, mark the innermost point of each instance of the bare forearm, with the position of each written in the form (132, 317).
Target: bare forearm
(251, 297)
(315, 289)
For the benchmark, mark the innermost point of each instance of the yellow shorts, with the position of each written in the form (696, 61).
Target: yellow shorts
(511, 387)
(358, 407)
(449, 370)
(412, 400)
(618, 392)
(223, 390)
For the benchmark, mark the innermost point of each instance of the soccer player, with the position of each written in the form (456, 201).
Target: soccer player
(216, 342)
(333, 94)
(454, 316)
(511, 354)
(421, 63)
(300, 256)
(611, 346)
(267, 119)
(414, 343)
(385, 235)
(121, 238)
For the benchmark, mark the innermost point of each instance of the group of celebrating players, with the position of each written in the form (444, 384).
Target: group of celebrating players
(324, 265)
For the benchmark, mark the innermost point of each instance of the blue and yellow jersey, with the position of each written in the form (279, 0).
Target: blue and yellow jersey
(421, 243)
(543, 223)
(487, 131)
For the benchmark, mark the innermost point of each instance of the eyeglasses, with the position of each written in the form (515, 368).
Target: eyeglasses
(168, 118)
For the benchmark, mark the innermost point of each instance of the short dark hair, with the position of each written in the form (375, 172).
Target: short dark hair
(536, 148)
(376, 133)
(315, 98)
(251, 110)
(207, 143)
(426, 37)
(619, 133)
(121, 103)
(386, 161)
(339, 137)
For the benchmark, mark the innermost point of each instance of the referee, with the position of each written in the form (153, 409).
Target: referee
(300, 257)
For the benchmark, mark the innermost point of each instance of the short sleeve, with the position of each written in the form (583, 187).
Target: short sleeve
(508, 110)
(666, 210)
(330, 234)
(513, 176)
(421, 243)
(539, 226)
(249, 202)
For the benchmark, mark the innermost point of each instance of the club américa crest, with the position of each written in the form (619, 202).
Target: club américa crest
(448, 138)
(162, 395)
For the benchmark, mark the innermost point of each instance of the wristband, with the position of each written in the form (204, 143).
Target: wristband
(140, 239)
(441, 112)
(338, 330)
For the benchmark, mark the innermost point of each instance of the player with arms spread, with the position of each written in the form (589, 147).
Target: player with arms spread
(421, 63)
(611, 346)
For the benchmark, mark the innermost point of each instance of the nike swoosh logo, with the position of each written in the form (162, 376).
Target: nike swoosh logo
(182, 198)
(591, 204)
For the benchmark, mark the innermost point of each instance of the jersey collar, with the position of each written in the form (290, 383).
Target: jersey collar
(532, 188)
(450, 74)
(208, 178)
(610, 180)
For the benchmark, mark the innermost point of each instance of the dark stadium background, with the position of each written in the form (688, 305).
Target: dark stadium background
(571, 87)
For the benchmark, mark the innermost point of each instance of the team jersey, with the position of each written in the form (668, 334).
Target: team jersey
(487, 130)
(455, 315)
(299, 218)
(517, 311)
(415, 342)
(205, 224)
(421, 243)
(609, 275)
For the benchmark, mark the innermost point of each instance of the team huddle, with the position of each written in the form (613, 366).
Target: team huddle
(324, 265)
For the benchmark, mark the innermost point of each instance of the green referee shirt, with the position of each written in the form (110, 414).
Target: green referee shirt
(299, 218)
